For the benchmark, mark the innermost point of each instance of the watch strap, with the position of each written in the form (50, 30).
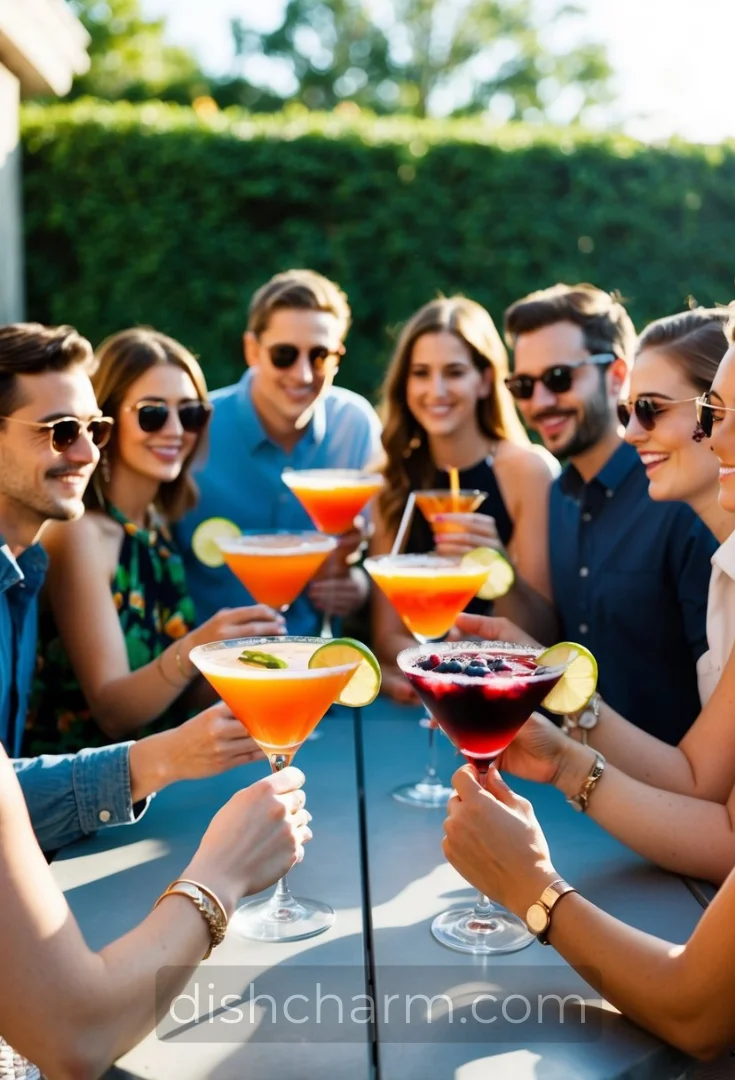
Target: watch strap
(581, 800)
(548, 900)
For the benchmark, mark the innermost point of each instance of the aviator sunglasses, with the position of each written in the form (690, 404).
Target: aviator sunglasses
(707, 413)
(647, 411)
(285, 356)
(64, 432)
(152, 415)
(557, 379)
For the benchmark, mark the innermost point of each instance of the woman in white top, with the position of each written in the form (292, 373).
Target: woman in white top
(673, 804)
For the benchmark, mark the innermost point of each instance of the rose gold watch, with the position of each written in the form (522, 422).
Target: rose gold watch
(538, 916)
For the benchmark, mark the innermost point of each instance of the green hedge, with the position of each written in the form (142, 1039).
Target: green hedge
(153, 214)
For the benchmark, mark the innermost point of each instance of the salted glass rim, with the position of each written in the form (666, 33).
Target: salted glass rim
(406, 656)
(211, 648)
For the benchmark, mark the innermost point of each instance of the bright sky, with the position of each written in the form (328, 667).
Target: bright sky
(673, 58)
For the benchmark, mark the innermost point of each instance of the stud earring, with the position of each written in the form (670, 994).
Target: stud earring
(413, 444)
(698, 434)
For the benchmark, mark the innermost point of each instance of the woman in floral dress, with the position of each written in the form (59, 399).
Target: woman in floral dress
(119, 625)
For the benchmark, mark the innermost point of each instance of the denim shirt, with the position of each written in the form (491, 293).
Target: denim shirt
(20, 581)
(630, 578)
(69, 795)
(241, 480)
(72, 795)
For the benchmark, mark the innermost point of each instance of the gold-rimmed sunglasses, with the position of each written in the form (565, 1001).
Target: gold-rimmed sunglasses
(65, 431)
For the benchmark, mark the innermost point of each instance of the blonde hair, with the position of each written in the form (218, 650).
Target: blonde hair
(123, 358)
(408, 463)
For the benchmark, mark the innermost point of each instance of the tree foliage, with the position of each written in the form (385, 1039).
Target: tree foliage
(430, 56)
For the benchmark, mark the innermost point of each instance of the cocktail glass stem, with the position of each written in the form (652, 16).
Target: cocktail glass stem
(429, 793)
(326, 630)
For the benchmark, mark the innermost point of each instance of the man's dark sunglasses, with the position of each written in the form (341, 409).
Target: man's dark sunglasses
(152, 415)
(65, 431)
(706, 413)
(646, 410)
(285, 356)
(557, 379)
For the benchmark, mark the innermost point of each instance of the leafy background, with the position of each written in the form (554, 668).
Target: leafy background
(161, 215)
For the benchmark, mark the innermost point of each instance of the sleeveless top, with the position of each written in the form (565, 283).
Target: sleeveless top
(154, 608)
(480, 477)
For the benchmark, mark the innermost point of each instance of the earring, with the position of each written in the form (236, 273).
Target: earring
(698, 434)
(105, 467)
(413, 444)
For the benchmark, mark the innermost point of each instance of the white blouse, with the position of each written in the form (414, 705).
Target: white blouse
(720, 619)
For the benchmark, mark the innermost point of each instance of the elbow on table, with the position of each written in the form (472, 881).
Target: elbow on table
(699, 1037)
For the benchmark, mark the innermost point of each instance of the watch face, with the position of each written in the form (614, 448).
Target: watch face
(587, 720)
(537, 918)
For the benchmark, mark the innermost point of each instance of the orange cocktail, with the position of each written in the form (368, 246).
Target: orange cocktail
(427, 591)
(276, 567)
(432, 503)
(280, 707)
(333, 497)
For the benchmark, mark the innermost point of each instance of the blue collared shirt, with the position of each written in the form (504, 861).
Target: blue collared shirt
(72, 795)
(20, 581)
(630, 579)
(241, 480)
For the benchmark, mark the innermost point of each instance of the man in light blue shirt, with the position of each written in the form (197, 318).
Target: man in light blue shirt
(284, 413)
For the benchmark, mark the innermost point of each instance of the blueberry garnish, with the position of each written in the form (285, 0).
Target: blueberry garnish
(496, 664)
(449, 667)
(476, 670)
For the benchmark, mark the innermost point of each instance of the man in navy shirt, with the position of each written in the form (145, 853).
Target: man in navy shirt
(283, 413)
(629, 575)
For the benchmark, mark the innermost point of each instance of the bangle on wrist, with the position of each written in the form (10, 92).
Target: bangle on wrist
(207, 903)
(581, 799)
(188, 675)
(585, 719)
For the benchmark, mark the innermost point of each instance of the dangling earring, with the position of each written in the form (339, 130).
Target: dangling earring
(105, 467)
(413, 444)
(698, 434)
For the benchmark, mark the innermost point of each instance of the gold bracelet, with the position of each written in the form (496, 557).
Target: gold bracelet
(159, 665)
(582, 798)
(180, 664)
(207, 903)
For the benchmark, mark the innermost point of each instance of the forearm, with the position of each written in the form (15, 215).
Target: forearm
(528, 609)
(125, 704)
(679, 833)
(640, 755)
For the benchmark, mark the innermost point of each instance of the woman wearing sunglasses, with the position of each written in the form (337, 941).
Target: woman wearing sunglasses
(445, 404)
(673, 804)
(115, 642)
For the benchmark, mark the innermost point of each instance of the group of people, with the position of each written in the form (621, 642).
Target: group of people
(109, 461)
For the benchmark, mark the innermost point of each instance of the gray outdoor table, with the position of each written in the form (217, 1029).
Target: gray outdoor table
(410, 883)
(370, 854)
(112, 880)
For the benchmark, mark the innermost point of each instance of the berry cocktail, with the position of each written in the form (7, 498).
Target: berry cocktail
(480, 694)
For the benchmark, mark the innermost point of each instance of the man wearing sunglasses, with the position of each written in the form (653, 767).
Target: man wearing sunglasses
(284, 413)
(629, 575)
(51, 431)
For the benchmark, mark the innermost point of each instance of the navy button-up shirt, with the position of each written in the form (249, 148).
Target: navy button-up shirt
(630, 578)
(20, 581)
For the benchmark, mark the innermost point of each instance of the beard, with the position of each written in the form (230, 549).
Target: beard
(594, 423)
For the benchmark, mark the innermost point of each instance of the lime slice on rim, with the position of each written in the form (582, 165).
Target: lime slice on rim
(500, 574)
(204, 541)
(364, 685)
(577, 684)
(261, 659)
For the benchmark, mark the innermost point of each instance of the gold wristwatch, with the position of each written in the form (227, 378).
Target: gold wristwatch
(538, 916)
(208, 903)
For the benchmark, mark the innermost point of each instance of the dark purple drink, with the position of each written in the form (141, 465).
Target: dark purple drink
(480, 695)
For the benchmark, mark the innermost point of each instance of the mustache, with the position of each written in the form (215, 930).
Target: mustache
(65, 470)
(546, 414)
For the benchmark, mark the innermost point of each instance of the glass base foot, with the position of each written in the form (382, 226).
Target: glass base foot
(427, 795)
(496, 932)
(262, 920)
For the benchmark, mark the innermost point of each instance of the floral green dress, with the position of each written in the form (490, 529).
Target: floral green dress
(149, 589)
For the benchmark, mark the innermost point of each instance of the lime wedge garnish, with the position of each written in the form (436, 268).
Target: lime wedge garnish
(500, 574)
(364, 685)
(261, 659)
(204, 540)
(577, 684)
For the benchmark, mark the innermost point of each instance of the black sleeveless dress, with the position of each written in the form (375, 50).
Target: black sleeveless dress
(480, 477)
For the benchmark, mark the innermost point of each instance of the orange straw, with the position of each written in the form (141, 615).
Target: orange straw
(454, 487)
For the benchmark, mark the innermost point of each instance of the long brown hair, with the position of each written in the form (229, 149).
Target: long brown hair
(123, 358)
(408, 463)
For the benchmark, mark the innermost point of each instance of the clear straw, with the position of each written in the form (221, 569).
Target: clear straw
(404, 525)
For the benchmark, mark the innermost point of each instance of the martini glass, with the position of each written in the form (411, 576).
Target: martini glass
(428, 592)
(481, 712)
(435, 502)
(279, 707)
(332, 498)
(276, 566)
